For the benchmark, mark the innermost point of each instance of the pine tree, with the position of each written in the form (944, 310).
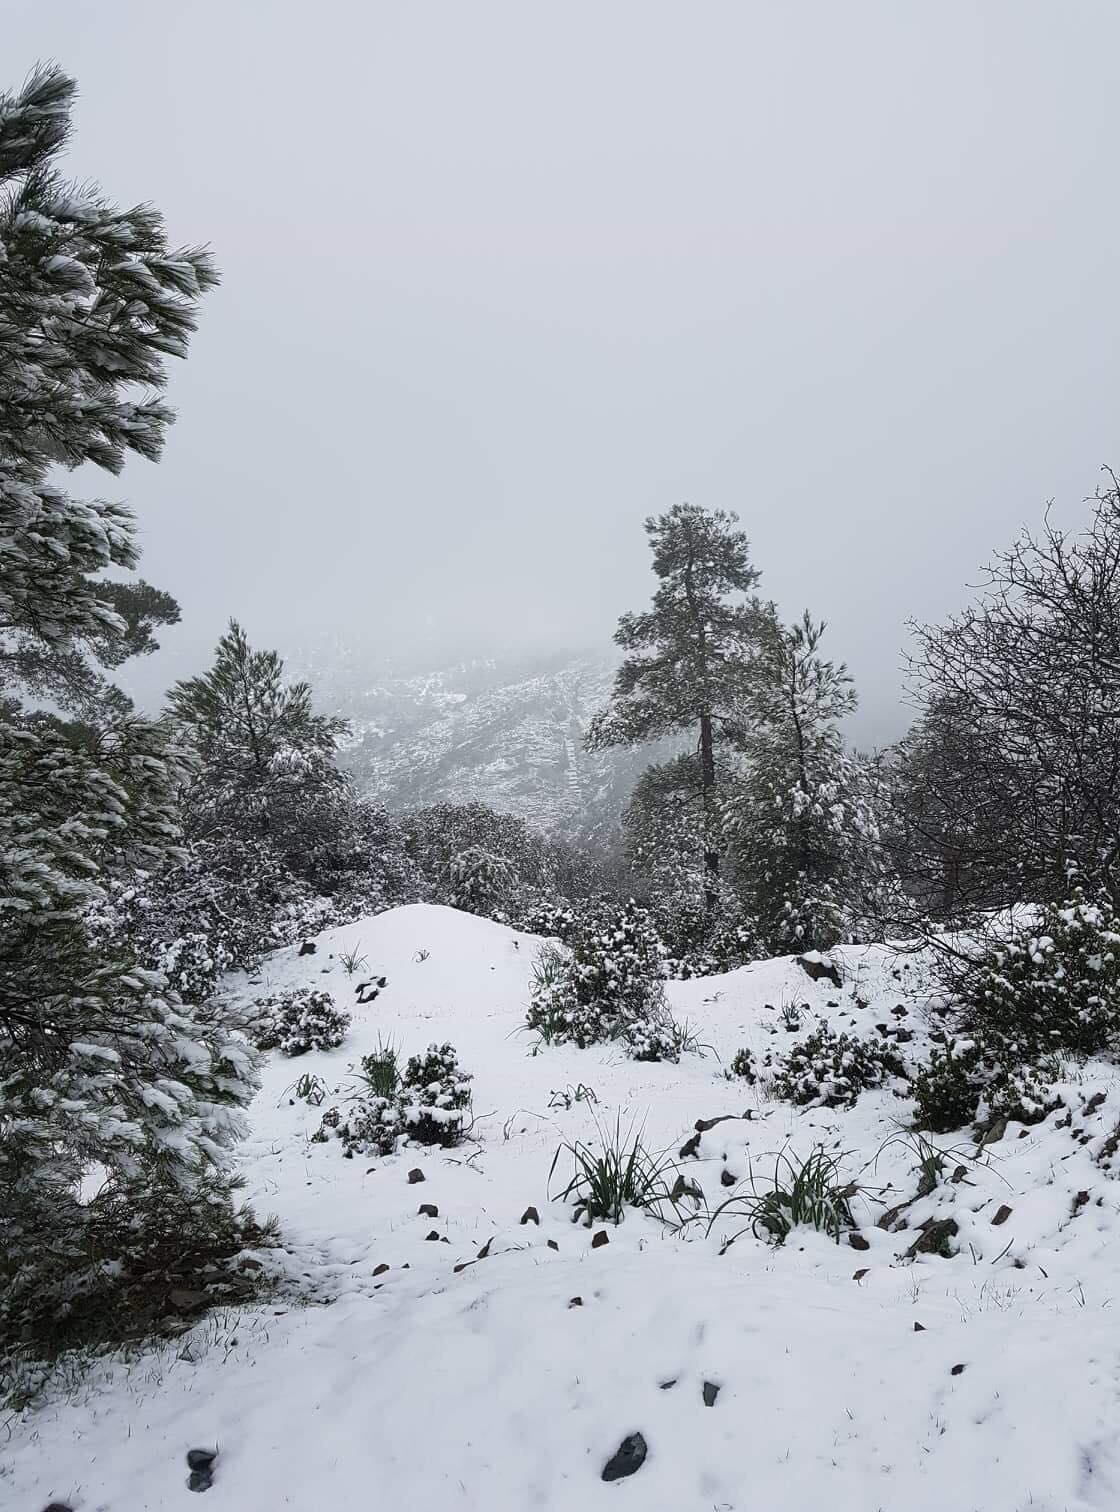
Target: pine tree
(689, 656)
(100, 1064)
(266, 768)
(803, 819)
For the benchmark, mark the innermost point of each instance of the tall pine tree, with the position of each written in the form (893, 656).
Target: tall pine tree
(101, 1066)
(689, 656)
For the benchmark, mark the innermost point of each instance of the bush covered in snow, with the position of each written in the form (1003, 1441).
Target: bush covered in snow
(302, 1019)
(606, 985)
(966, 1083)
(830, 1070)
(429, 1103)
(1051, 984)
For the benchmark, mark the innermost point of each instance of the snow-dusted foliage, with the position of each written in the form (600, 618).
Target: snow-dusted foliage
(605, 985)
(429, 1105)
(300, 1020)
(803, 819)
(1045, 981)
(480, 882)
(830, 1070)
(101, 1062)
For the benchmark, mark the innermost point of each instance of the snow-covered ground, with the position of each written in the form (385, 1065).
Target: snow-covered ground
(853, 1379)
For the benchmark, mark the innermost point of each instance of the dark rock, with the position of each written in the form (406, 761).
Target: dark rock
(433, 1237)
(485, 1250)
(58, 1507)
(1002, 1215)
(427, 1210)
(726, 1178)
(200, 1480)
(666, 1385)
(710, 1392)
(552, 1244)
(820, 971)
(575, 1301)
(919, 1328)
(858, 1242)
(530, 1215)
(1094, 1102)
(957, 1370)
(994, 1133)
(702, 1125)
(201, 1459)
(182, 1299)
(308, 948)
(900, 1011)
(934, 1238)
(690, 1147)
(859, 1274)
(415, 1175)
(601, 1238)
(379, 1270)
(627, 1458)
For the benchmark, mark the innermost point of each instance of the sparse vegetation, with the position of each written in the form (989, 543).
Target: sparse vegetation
(615, 1173)
(807, 1193)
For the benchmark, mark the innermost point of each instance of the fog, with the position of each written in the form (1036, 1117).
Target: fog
(500, 280)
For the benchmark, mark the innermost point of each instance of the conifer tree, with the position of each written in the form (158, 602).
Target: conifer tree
(266, 767)
(689, 656)
(100, 1064)
(803, 817)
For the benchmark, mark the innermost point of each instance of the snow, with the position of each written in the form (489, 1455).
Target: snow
(430, 1388)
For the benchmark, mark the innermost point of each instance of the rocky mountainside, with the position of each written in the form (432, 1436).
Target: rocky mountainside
(509, 734)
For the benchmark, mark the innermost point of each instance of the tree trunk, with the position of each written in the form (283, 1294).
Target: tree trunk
(708, 783)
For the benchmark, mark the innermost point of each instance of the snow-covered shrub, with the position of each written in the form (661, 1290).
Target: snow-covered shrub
(299, 1020)
(830, 1070)
(111, 1275)
(606, 983)
(1052, 984)
(743, 1065)
(480, 882)
(429, 1103)
(659, 1037)
(193, 965)
(435, 1097)
(965, 1083)
(948, 1089)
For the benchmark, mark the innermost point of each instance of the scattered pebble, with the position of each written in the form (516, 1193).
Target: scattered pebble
(415, 1175)
(428, 1210)
(711, 1391)
(601, 1238)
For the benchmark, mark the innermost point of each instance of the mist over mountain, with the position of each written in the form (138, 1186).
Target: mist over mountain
(508, 732)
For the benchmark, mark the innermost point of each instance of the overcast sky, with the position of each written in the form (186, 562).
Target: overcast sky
(502, 279)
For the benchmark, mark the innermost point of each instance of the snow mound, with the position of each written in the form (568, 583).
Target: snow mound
(468, 1374)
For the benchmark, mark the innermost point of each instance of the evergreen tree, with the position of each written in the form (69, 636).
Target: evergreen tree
(689, 656)
(100, 1064)
(803, 818)
(266, 768)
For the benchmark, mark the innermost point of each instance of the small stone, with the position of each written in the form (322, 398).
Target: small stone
(552, 1244)
(919, 1328)
(859, 1274)
(58, 1507)
(726, 1178)
(182, 1299)
(428, 1210)
(690, 1147)
(201, 1459)
(485, 1250)
(858, 1242)
(200, 1480)
(530, 1215)
(1002, 1215)
(575, 1302)
(627, 1458)
(462, 1265)
(601, 1238)
(308, 948)
(433, 1237)
(379, 1270)
(957, 1370)
(710, 1392)
(415, 1175)
(666, 1385)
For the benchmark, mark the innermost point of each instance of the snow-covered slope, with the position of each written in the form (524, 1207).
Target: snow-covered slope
(509, 734)
(854, 1379)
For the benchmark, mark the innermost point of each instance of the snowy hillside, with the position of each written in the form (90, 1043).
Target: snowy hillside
(508, 734)
(472, 1359)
